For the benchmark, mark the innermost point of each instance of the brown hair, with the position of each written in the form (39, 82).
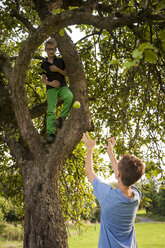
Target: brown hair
(131, 169)
(51, 42)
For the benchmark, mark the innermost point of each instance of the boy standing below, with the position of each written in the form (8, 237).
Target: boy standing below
(118, 206)
(53, 75)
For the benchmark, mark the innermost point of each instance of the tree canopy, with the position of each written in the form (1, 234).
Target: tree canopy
(121, 59)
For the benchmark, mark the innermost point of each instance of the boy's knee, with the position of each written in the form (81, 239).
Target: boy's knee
(69, 97)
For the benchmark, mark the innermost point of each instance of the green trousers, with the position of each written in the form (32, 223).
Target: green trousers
(53, 95)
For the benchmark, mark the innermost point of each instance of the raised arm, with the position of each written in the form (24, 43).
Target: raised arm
(90, 144)
(114, 162)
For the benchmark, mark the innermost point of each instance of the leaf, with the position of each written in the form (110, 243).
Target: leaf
(162, 35)
(161, 5)
(137, 54)
(114, 62)
(148, 199)
(69, 29)
(150, 56)
(62, 31)
(129, 64)
(144, 45)
(163, 45)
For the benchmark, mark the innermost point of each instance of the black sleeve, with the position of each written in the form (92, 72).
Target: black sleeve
(43, 69)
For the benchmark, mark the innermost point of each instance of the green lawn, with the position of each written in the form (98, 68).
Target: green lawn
(88, 239)
(12, 237)
(141, 212)
(11, 244)
(149, 235)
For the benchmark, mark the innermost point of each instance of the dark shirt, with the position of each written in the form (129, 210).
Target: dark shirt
(59, 62)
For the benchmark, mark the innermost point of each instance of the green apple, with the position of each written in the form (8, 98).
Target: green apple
(76, 105)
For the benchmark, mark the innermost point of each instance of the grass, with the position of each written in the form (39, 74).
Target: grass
(12, 237)
(147, 234)
(88, 239)
(150, 235)
(11, 244)
(141, 212)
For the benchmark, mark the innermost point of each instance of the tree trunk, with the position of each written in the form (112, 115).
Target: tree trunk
(44, 222)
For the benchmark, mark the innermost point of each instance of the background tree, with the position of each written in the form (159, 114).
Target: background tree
(120, 72)
(153, 196)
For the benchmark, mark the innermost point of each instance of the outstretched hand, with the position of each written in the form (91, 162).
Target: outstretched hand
(90, 144)
(111, 144)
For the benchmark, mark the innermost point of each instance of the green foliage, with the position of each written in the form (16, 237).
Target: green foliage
(2, 223)
(62, 31)
(161, 202)
(150, 56)
(153, 197)
(128, 103)
(76, 193)
(11, 188)
(11, 212)
(95, 213)
(161, 5)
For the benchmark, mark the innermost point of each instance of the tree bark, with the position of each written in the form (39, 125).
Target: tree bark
(44, 222)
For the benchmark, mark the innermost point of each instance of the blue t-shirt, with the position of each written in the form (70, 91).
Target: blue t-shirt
(117, 216)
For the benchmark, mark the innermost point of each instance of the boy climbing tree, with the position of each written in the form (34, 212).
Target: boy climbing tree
(53, 75)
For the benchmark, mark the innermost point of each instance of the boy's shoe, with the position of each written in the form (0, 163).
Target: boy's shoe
(50, 138)
(59, 122)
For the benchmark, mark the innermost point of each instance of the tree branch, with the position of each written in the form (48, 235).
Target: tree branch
(89, 35)
(21, 18)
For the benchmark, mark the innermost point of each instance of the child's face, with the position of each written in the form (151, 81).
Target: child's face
(50, 50)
